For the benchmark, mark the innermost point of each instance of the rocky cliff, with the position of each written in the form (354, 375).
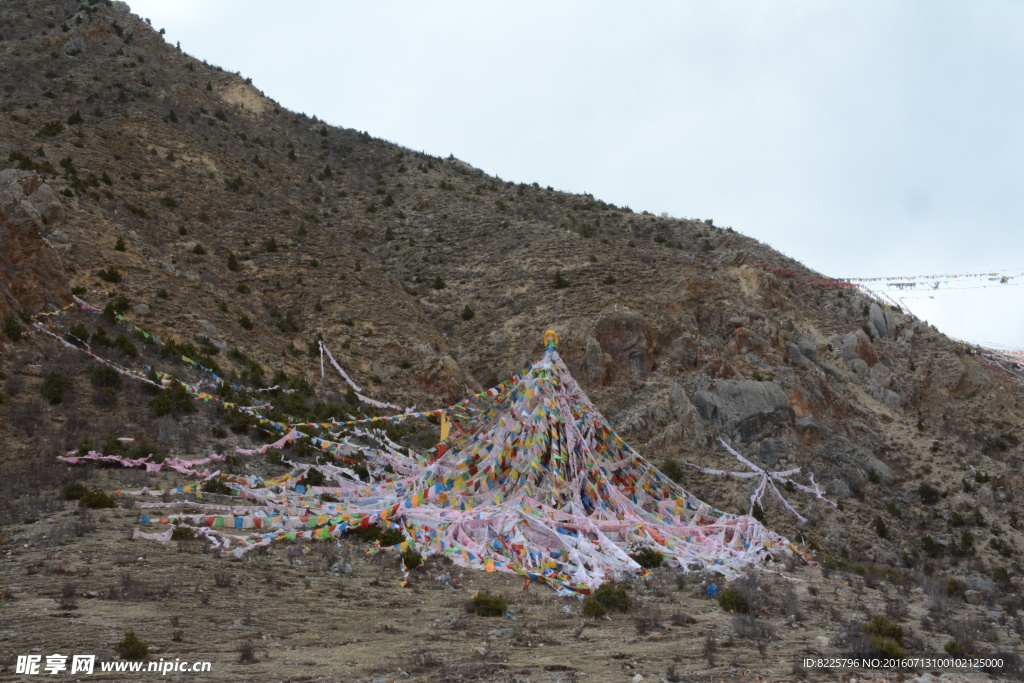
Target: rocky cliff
(136, 171)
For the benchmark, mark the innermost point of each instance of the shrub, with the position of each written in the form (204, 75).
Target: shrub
(110, 275)
(885, 637)
(731, 601)
(119, 245)
(12, 329)
(74, 491)
(487, 605)
(880, 528)
(232, 261)
(182, 533)
(245, 322)
(647, 557)
(467, 313)
(560, 281)
(438, 283)
(174, 401)
(412, 559)
(97, 500)
(132, 647)
(956, 588)
(386, 537)
(270, 245)
(125, 346)
(106, 376)
(50, 129)
(247, 653)
(169, 202)
(613, 596)
(55, 386)
(593, 608)
(216, 486)
(137, 210)
(198, 249)
(929, 494)
(75, 118)
(314, 477)
(114, 308)
(673, 470)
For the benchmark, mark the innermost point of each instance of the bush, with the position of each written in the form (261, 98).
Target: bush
(216, 486)
(314, 477)
(119, 245)
(386, 537)
(412, 559)
(613, 596)
(183, 533)
(174, 401)
(880, 528)
(467, 313)
(560, 281)
(106, 376)
(438, 283)
(487, 605)
(647, 557)
(110, 275)
(885, 637)
(12, 328)
(929, 494)
(50, 129)
(132, 647)
(125, 346)
(731, 601)
(198, 249)
(245, 322)
(55, 386)
(593, 608)
(97, 500)
(75, 491)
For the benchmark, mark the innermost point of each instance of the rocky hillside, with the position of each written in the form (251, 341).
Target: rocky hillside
(177, 193)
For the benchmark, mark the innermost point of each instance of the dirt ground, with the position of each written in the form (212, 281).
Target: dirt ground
(73, 582)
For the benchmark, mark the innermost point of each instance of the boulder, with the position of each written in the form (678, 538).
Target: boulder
(882, 321)
(857, 345)
(809, 349)
(595, 363)
(686, 350)
(745, 408)
(209, 329)
(624, 338)
(73, 47)
(833, 371)
(808, 429)
(772, 450)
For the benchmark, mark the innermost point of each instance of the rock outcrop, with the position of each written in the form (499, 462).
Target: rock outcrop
(31, 274)
(745, 408)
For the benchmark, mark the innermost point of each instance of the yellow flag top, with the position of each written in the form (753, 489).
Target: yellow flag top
(445, 426)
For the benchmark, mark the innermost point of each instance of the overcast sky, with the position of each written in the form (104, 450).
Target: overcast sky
(862, 138)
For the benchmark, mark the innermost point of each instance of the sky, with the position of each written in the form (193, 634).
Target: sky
(864, 139)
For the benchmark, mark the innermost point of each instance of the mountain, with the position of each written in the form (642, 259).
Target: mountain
(178, 195)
